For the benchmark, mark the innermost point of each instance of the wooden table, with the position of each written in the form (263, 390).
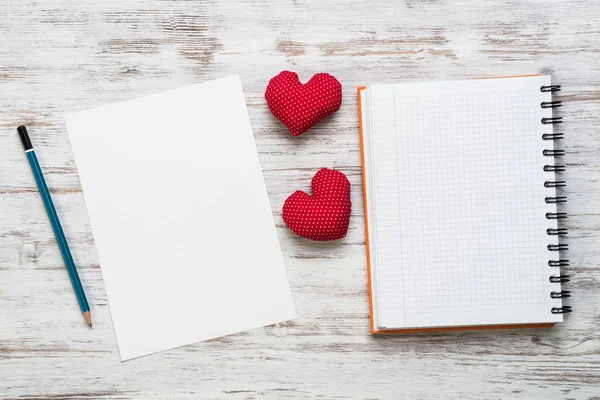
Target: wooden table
(59, 56)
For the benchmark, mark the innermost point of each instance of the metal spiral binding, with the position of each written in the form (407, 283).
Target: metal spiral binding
(553, 136)
(552, 184)
(561, 310)
(550, 88)
(553, 120)
(555, 168)
(558, 247)
(556, 215)
(558, 263)
(560, 278)
(556, 232)
(551, 104)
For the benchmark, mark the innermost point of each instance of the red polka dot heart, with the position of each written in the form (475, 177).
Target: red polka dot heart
(301, 106)
(326, 214)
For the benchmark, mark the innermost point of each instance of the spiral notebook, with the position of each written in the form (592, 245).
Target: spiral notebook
(461, 185)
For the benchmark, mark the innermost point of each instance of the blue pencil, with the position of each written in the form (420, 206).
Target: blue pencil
(58, 232)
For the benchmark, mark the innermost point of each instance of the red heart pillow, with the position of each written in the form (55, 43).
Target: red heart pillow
(299, 107)
(326, 214)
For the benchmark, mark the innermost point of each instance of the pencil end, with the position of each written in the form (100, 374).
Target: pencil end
(88, 318)
(24, 138)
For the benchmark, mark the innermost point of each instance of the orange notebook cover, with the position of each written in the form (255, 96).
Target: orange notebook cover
(373, 328)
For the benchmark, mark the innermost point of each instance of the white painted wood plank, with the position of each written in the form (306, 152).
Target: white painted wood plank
(58, 56)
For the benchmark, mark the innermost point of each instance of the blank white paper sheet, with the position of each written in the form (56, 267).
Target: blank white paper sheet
(181, 217)
(456, 203)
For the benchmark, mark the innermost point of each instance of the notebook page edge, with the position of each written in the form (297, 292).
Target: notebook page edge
(369, 236)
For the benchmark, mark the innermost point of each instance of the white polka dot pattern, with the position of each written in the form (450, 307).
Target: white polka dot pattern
(326, 214)
(299, 107)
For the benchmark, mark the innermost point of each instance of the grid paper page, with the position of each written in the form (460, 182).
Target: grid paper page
(457, 195)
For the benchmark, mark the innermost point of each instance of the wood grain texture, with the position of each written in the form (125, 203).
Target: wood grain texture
(58, 56)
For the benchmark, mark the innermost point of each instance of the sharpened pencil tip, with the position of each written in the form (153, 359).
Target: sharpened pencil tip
(88, 318)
